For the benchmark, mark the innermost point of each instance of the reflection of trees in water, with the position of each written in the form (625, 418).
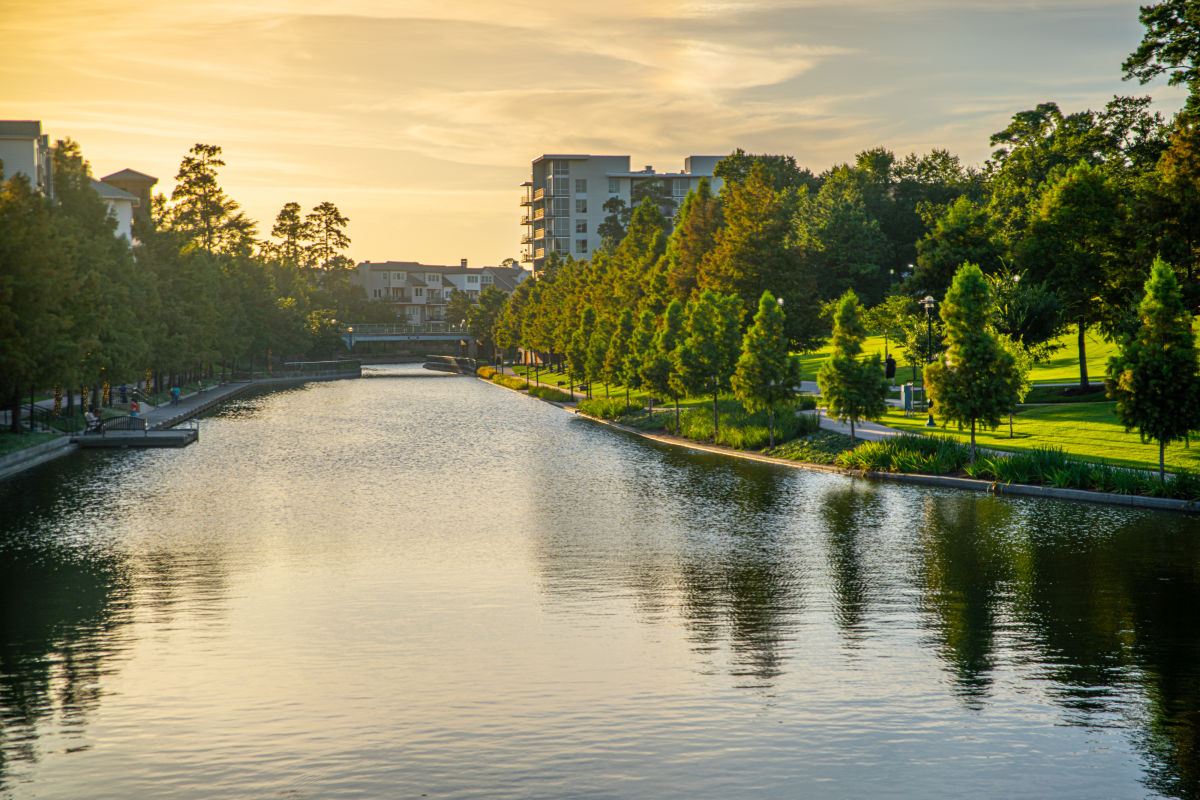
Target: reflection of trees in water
(849, 515)
(705, 527)
(60, 613)
(967, 561)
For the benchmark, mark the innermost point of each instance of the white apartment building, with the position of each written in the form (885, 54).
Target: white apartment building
(419, 292)
(563, 203)
(25, 150)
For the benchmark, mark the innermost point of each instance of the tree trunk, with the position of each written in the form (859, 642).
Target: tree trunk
(626, 401)
(1010, 431)
(14, 412)
(716, 423)
(972, 441)
(1162, 462)
(676, 413)
(852, 431)
(771, 423)
(1083, 374)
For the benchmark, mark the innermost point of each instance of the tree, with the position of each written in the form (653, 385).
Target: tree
(705, 358)
(458, 306)
(658, 371)
(1026, 312)
(977, 381)
(202, 211)
(577, 347)
(618, 352)
(325, 227)
(1073, 246)
(483, 316)
(290, 232)
(1170, 45)
(602, 333)
(751, 253)
(852, 388)
(964, 233)
(694, 236)
(764, 375)
(1154, 377)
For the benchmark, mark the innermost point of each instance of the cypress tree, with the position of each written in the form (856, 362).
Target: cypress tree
(978, 379)
(618, 352)
(1154, 376)
(658, 367)
(640, 349)
(706, 356)
(852, 389)
(765, 375)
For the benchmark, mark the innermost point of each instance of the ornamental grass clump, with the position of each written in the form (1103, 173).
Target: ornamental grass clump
(547, 393)
(509, 381)
(609, 407)
(743, 430)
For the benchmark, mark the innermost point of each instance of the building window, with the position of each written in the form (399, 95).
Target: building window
(433, 279)
(395, 277)
(681, 187)
(581, 245)
(472, 293)
(581, 206)
(614, 186)
(560, 167)
(418, 292)
(581, 186)
(560, 245)
(560, 186)
(581, 226)
(485, 279)
(472, 279)
(561, 207)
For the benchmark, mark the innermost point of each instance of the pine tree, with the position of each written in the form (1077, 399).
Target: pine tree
(641, 350)
(765, 375)
(852, 389)
(1155, 379)
(978, 379)
(597, 355)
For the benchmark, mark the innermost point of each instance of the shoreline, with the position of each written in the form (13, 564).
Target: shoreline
(160, 418)
(915, 479)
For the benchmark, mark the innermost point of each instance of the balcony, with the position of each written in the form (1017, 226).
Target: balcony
(526, 200)
(538, 194)
(539, 214)
(539, 233)
(539, 253)
(526, 240)
(526, 220)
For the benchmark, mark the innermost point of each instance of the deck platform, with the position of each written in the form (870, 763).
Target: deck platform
(173, 437)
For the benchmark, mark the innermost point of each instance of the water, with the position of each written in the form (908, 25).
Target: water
(400, 588)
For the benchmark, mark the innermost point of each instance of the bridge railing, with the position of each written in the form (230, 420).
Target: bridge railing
(385, 329)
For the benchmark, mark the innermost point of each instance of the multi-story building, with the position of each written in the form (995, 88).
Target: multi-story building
(25, 150)
(563, 204)
(419, 292)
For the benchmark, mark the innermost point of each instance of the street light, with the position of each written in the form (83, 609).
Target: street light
(928, 302)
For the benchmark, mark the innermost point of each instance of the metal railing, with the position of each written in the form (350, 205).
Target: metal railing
(375, 329)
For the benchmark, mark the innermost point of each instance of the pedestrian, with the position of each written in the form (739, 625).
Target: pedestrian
(174, 395)
(889, 370)
(133, 408)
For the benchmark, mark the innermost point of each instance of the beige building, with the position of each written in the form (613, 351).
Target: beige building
(563, 204)
(419, 292)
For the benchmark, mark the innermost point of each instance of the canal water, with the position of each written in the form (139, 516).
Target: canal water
(405, 587)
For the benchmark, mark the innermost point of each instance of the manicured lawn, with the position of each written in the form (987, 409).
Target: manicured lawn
(1087, 430)
(1063, 366)
(12, 442)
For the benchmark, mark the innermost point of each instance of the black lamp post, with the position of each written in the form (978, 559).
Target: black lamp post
(928, 302)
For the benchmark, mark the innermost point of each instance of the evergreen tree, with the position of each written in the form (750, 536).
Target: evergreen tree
(618, 352)
(764, 375)
(659, 364)
(1155, 378)
(577, 347)
(290, 232)
(852, 389)
(202, 211)
(705, 358)
(326, 229)
(640, 353)
(597, 356)
(978, 379)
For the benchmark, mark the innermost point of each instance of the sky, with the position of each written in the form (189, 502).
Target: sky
(419, 118)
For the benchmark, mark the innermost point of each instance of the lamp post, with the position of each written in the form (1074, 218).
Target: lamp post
(928, 302)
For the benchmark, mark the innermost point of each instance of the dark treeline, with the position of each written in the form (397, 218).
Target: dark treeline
(196, 294)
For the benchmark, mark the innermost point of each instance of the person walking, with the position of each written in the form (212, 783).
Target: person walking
(174, 395)
(889, 370)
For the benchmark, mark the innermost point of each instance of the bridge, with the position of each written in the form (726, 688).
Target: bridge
(384, 332)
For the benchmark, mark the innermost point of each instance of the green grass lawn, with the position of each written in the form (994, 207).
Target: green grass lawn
(12, 442)
(1063, 366)
(1087, 430)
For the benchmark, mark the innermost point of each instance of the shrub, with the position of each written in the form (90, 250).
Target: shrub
(923, 454)
(819, 447)
(510, 381)
(485, 372)
(546, 393)
(608, 407)
(742, 430)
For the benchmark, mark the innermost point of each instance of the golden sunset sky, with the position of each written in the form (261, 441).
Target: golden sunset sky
(418, 119)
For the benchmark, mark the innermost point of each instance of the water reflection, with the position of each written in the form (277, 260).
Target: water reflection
(459, 600)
